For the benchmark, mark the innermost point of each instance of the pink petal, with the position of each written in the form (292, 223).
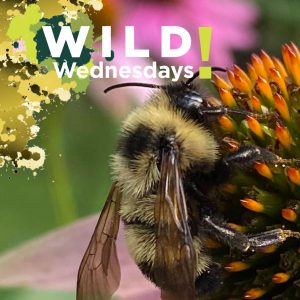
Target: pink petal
(52, 261)
(231, 20)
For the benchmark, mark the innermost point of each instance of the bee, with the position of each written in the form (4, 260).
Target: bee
(166, 169)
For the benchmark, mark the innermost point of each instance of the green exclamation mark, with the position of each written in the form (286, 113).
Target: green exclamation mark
(205, 38)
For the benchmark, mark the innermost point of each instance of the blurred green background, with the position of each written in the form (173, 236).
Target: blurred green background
(277, 24)
(79, 138)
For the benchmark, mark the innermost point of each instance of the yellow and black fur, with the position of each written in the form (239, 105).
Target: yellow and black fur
(135, 168)
(177, 122)
(176, 112)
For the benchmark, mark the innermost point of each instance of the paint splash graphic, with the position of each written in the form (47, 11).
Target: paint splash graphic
(28, 80)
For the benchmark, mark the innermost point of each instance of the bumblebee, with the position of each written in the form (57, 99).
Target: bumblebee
(166, 170)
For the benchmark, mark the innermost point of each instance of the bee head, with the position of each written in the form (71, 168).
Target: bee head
(188, 98)
(184, 95)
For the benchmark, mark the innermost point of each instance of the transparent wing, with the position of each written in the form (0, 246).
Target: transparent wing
(99, 272)
(175, 262)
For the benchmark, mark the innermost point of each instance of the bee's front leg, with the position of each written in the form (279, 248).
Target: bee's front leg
(271, 237)
(242, 242)
(244, 158)
(247, 155)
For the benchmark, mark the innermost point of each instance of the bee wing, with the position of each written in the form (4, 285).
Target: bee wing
(174, 264)
(99, 272)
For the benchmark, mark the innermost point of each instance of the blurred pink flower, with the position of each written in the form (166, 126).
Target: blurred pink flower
(231, 21)
(51, 262)
(232, 29)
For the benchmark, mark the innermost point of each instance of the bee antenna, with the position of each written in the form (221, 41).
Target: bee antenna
(196, 74)
(139, 84)
(156, 86)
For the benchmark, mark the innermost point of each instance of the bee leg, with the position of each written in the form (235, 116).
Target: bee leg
(218, 228)
(242, 242)
(223, 110)
(271, 237)
(209, 281)
(247, 155)
(244, 158)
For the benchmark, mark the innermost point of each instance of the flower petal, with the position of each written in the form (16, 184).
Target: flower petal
(52, 261)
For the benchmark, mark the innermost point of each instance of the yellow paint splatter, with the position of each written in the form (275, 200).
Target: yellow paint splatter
(64, 95)
(97, 5)
(25, 85)
(36, 161)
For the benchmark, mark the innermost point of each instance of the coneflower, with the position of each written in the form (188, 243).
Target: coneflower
(268, 197)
